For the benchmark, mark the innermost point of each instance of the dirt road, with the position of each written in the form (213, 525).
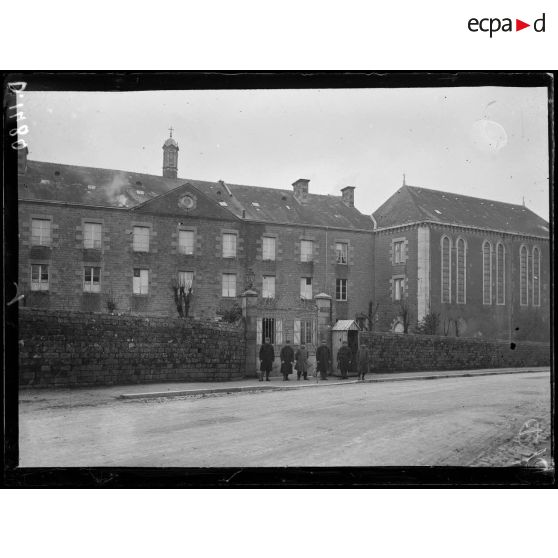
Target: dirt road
(437, 422)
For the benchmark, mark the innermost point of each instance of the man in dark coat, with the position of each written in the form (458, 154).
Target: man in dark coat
(323, 360)
(267, 356)
(344, 358)
(301, 366)
(287, 359)
(363, 361)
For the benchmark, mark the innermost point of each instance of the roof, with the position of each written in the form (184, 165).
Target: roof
(117, 188)
(170, 141)
(345, 325)
(412, 204)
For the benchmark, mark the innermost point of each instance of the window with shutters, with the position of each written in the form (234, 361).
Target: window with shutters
(268, 248)
(92, 279)
(486, 272)
(268, 286)
(186, 242)
(461, 257)
(500, 274)
(446, 269)
(92, 234)
(304, 332)
(39, 277)
(141, 239)
(229, 245)
(306, 288)
(140, 284)
(229, 285)
(306, 250)
(536, 277)
(41, 232)
(523, 276)
(341, 289)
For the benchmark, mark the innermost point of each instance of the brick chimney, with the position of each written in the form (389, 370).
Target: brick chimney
(300, 188)
(348, 195)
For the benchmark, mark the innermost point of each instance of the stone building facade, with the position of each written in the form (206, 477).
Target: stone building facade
(100, 240)
(482, 267)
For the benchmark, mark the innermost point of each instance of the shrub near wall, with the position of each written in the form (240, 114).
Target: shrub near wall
(66, 349)
(392, 352)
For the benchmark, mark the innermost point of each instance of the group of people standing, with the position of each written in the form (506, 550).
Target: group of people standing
(299, 359)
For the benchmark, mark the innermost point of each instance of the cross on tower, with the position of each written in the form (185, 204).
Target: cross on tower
(170, 130)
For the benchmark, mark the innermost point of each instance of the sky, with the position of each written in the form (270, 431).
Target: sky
(489, 142)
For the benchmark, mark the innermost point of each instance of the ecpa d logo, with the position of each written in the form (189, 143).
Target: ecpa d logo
(494, 24)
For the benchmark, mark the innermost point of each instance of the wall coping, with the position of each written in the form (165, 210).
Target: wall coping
(389, 334)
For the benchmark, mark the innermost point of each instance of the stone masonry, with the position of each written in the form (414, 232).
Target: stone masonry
(391, 352)
(70, 349)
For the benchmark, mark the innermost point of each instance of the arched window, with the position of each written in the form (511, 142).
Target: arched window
(486, 272)
(536, 276)
(446, 269)
(523, 277)
(500, 274)
(461, 248)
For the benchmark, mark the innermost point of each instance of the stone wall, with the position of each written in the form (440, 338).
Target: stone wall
(392, 352)
(67, 349)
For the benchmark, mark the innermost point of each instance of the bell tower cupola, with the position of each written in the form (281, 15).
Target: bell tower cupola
(170, 157)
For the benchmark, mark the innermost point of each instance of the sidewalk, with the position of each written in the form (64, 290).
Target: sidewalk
(91, 396)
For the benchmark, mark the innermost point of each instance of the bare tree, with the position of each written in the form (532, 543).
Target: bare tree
(372, 314)
(182, 296)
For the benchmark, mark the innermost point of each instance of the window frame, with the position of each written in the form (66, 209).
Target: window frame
(486, 288)
(305, 288)
(86, 225)
(91, 283)
(185, 284)
(339, 283)
(524, 280)
(304, 255)
(228, 234)
(265, 257)
(398, 252)
(338, 252)
(463, 298)
(182, 248)
(270, 294)
(40, 282)
(136, 239)
(398, 280)
(537, 277)
(229, 275)
(37, 219)
(500, 301)
(443, 300)
(306, 334)
(140, 293)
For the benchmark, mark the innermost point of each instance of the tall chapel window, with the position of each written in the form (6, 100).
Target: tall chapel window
(461, 271)
(500, 274)
(523, 277)
(446, 269)
(536, 277)
(486, 272)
